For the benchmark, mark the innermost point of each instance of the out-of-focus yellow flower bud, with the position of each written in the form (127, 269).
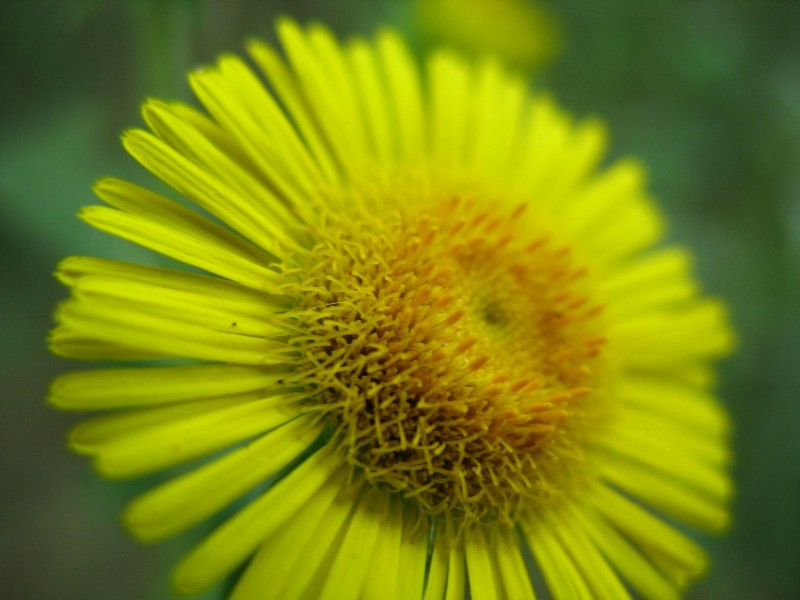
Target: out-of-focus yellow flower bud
(522, 33)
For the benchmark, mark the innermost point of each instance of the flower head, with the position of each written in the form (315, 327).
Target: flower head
(523, 33)
(430, 331)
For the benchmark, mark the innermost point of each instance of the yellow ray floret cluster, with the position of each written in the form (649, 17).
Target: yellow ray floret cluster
(427, 334)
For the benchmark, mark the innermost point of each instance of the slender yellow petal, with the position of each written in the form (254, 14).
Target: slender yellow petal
(134, 387)
(413, 554)
(627, 560)
(584, 149)
(181, 305)
(657, 341)
(349, 566)
(456, 575)
(563, 577)
(319, 91)
(117, 320)
(381, 130)
(164, 511)
(702, 508)
(169, 443)
(184, 243)
(263, 129)
(437, 575)
(449, 81)
(286, 171)
(495, 119)
(309, 575)
(206, 290)
(645, 448)
(664, 399)
(90, 436)
(601, 579)
(674, 554)
(594, 215)
(136, 200)
(332, 60)
(66, 342)
(637, 425)
(513, 572)
(212, 132)
(384, 569)
(239, 536)
(404, 93)
(292, 553)
(287, 91)
(207, 192)
(545, 144)
(484, 581)
(658, 278)
(193, 145)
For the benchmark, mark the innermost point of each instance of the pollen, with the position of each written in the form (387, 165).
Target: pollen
(457, 356)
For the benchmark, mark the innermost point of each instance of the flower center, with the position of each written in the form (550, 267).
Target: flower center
(457, 355)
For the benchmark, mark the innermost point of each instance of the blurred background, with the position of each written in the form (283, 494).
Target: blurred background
(707, 93)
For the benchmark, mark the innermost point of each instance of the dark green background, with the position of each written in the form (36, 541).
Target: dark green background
(706, 92)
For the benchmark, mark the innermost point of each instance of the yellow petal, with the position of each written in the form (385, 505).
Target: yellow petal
(702, 503)
(513, 572)
(484, 579)
(165, 443)
(560, 572)
(193, 145)
(291, 554)
(601, 579)
(348, 567)
(135, 387)
(676, 556)
(109, 320)
(240, 536)
(448, 79)
(186, 500)
(624, 557)
(404, 93)
(206, 191)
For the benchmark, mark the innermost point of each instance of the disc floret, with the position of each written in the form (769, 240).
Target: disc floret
(456, 356)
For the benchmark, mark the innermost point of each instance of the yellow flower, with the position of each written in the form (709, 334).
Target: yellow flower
(432, 334)
(522, 33)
